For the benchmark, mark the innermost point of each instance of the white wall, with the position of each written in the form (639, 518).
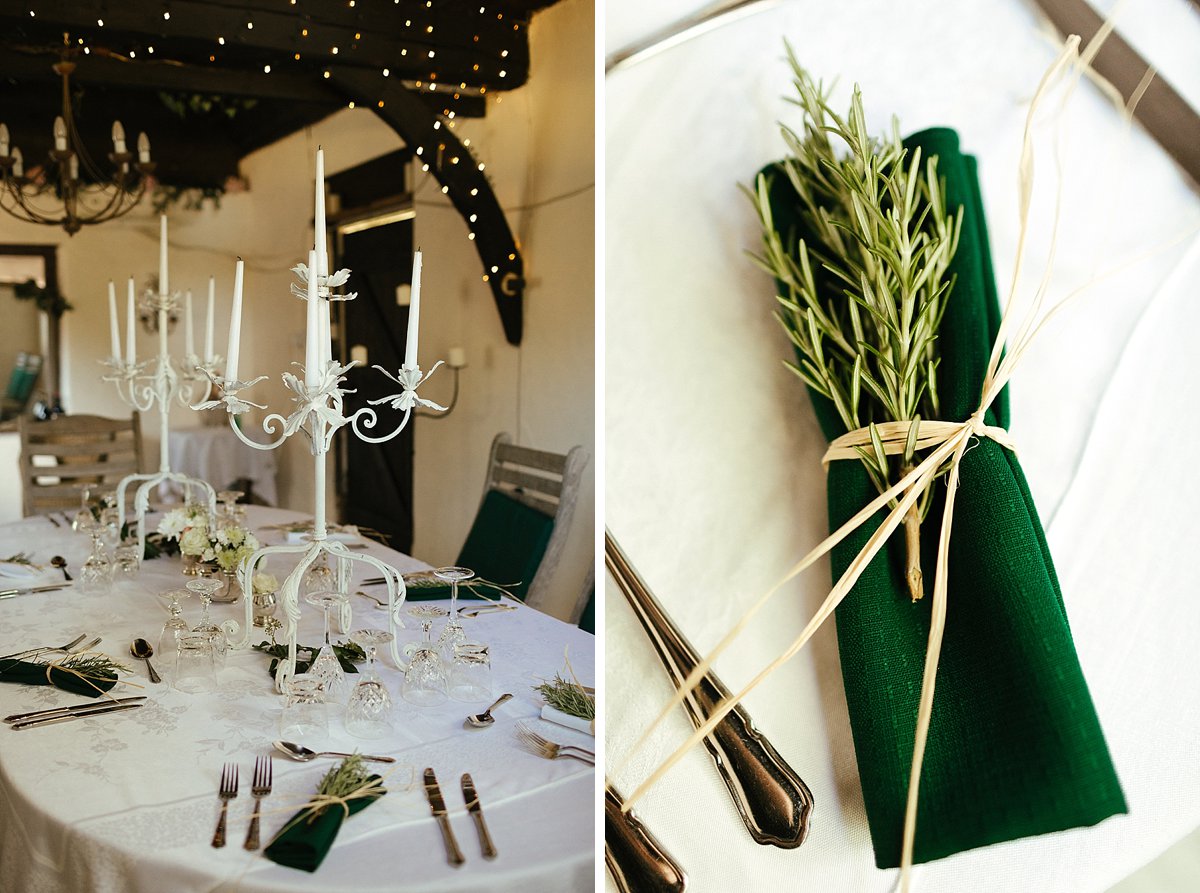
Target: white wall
(538, 144)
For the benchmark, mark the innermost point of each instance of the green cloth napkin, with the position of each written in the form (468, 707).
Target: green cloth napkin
(30, 673)
(1015, 748)
(506, 542)
(304, 844)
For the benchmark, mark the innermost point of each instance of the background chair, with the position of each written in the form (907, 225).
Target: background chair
(524, 517)
(62, 456)
(20, 384)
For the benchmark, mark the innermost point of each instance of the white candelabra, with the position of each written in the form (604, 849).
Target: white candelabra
(159, 382)
(319, 413)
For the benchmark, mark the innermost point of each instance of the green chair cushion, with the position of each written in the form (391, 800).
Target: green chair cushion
(507, 542)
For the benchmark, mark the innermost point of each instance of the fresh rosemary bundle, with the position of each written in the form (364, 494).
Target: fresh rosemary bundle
(350, 776)
(864, 295)
(568, 696)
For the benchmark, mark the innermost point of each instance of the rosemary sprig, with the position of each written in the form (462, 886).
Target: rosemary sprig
(95, 665)
(568, 696)
(863, 299)
(19, 558)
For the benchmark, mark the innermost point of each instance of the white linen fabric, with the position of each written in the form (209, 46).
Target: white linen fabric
(126, 803)
(714, 484)
(215, 454)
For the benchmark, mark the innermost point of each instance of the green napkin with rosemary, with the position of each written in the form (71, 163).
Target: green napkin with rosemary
(305, 840)
(97, 681)
(1015, 748)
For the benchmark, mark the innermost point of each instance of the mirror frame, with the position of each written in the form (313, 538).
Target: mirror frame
(51, 363)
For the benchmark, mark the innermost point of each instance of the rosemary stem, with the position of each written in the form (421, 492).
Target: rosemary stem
(912, 543)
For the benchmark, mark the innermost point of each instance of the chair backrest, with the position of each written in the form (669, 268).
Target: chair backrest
(545, 482)
(61, 456)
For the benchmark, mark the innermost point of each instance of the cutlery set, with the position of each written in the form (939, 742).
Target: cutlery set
(773, 801)
(260, 787)
(552, 750)
(71, 647)
(437, 806)
(19, 721)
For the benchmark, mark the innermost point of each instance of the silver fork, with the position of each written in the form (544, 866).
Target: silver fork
(228, 791)
(552, 750)
(260, 787)
(33, 652)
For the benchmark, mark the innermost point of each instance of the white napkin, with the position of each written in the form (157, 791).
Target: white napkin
(552, 714)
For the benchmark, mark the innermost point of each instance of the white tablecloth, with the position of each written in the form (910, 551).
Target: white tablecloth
(126, 803)
(714, 484)
(216, 455)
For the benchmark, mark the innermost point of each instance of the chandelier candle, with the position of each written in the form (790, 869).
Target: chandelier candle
(319, 413)
(157, 382)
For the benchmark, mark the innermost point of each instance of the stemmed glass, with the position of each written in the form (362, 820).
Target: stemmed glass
(318, 579)
(175, 626)
(425, 678)
(326, 665)
(453, 633)
(84, 520)
(228, 509)
(96, 573)
(205, 587)
(368, 713)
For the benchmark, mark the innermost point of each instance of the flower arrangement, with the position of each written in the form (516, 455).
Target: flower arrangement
(226, 544)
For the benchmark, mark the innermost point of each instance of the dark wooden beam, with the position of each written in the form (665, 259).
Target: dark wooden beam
(468, 189)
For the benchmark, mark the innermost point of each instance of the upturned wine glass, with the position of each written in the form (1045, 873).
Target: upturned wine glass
(175, 626)
(425, 678)
(453, 633)
(369, 710)
(205, 587)
(326, 664)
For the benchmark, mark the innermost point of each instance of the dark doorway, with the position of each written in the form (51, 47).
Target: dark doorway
(374, 240)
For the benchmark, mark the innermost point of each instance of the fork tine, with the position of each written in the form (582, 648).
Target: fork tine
(270, 773)
(235, 779)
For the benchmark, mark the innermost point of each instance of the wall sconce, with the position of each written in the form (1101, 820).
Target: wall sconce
(456, 359)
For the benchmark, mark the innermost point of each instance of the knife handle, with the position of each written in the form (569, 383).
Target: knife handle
(636, 861)
(50, 720)
(774, 802)
(453, 854)
(485, 839)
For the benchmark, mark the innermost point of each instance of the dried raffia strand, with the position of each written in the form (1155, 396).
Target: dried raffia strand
(947, 441)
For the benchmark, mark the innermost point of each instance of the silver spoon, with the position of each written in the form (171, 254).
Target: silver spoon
(61, 563)
(485, 719)
(379, 604)
(303, 754)
(144, 651)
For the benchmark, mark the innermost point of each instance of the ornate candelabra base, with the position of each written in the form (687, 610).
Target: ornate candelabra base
(289, 595)
(141, 497)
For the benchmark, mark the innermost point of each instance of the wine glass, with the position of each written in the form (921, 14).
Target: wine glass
(453, 633)
(96, 574)
(470, 672)
(175, 626)
(425, 679)
(206, 587)
(318, 578)
(326, 665)
(228, 509)
(368, 713)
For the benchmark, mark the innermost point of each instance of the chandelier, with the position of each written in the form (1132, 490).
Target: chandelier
(70, 190)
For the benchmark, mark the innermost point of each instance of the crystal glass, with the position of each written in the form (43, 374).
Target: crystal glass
(326, 665)
(96, 574)
(228, 509)
(318, 579)
(175, 626)
(125, 563)
(369, 710)
(204, 587)
(470, 676)
(453, 633)
(195, 663)
(425, 679)
(304, 716)
(110, 527)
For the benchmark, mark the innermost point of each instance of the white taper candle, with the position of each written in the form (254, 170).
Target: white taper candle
(163, 288)
(189, 343)
(114, 327)
(235, 324)
(312, 325)
(130, 326)
(208, 322)
(414, 314)
(319, 216)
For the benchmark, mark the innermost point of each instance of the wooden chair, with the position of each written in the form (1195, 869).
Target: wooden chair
(62, 456)
(524, 518)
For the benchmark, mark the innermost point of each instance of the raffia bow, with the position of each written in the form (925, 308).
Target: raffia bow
(947, 443)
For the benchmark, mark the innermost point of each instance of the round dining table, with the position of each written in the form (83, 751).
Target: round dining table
(127, 802)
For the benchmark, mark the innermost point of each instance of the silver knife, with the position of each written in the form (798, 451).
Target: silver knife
(437, 806)
(73, 708)
(472, 799)
(50, 720)
(10, 593)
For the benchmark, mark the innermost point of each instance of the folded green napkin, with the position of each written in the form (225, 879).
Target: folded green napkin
(31, 673)
(305, 842)
(507, 542)
(1015, 748)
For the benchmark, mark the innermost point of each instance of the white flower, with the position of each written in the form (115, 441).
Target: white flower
(173, 523)
(264, 583)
